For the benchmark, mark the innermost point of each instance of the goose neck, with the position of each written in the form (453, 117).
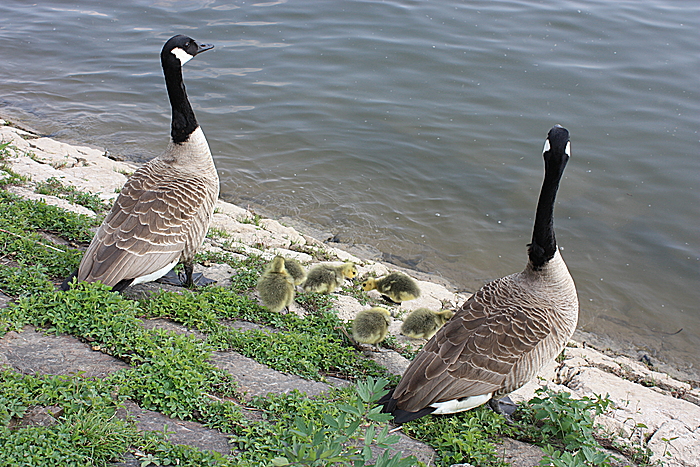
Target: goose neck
(544, 243)
(184, 121)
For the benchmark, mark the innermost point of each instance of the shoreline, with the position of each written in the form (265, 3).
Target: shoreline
(368, 252)
(628, 347)
(670, 408)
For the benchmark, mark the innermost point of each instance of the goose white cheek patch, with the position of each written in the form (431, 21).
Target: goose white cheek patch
(183, 56)
(547, 147)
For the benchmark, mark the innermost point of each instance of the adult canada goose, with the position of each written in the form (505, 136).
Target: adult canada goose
(326, 278)
(507, 331)
(371, 326)
(396, 287)
(164, 209)
(423, 323)
(296, 270)
(276, 286)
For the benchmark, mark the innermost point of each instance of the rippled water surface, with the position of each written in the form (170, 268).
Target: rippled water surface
(415, 127)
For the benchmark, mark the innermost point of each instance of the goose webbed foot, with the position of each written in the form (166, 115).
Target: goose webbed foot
(199, 280)
(184, 279)
(505, 407)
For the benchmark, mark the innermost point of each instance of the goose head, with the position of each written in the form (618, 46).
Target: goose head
(557, 150)
(180, 49)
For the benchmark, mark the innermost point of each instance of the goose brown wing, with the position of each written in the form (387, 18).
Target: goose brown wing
(147, 227)
(476, 352)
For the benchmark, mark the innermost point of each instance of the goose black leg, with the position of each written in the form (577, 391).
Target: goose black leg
(505, 407)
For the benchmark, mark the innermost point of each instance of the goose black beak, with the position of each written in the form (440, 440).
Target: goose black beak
(203, 48)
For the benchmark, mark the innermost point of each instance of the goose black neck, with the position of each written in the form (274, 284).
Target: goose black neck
(544, 243)
(184, 121)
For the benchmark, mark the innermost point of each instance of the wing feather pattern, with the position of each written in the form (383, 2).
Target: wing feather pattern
(148, 226)
(478, 351)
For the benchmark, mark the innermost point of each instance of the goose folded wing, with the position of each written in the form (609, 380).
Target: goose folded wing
(475, 353)
(146, 230)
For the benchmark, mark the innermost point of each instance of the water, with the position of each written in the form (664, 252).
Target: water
(415, 127)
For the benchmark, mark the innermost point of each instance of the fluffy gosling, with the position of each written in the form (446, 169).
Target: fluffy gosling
(296, 270)
(326, 278)
(276, 286)
(396, 287)
(371, 326)
(424, 323)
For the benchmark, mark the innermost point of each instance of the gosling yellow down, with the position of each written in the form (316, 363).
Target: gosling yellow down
(276, 286)
(396, 287)
(326, 278)
(423, 323)
(296, 270)
(371, 326)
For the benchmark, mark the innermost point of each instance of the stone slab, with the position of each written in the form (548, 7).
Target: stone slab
(32, 352)
(256, 379)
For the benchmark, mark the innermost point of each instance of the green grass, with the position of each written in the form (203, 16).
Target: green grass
(171, 372)
(467, 437)
(314, 432)
(311, 347)
(30, 260)
(24, 280)
(31, 216)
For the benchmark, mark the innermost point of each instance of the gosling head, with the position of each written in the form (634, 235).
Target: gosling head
(277, 265)
(369, 284)
(349, 270)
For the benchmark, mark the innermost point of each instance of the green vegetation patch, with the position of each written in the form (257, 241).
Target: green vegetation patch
(54, 187)
(465, 437)
(29, 215)
(39, 259)
(24, 280)
(311, 347)
(20, 242)
(86, 431)
(171, 372)
(339, 429)
(305, 355)
(565, 428)
(30, 260)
